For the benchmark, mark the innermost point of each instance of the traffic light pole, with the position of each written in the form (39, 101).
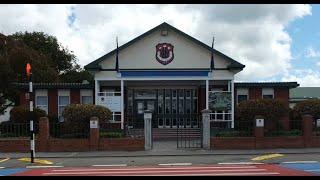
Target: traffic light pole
(31, 118)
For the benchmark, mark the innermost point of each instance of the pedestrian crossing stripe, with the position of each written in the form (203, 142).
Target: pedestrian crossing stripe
(268, 156)
(3, 160)
(39, 161)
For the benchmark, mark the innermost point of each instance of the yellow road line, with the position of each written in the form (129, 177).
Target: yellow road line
(39, 161)
(3, 160)
(268, 156)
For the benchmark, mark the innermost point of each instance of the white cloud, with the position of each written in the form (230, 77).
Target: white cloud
(305, 77)
(255, 35)
(318, 64)
(312, 53)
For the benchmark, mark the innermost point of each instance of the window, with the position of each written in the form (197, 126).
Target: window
(86, 96)
(242, 95)
(63, 101)
(267, 93)
(41, 99)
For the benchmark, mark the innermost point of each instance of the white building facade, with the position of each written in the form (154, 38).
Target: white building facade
(169, 73)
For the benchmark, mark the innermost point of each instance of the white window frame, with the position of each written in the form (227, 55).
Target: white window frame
(86, 92)
(62, 92)
(267, 91)
(43, 93)
(242, 91)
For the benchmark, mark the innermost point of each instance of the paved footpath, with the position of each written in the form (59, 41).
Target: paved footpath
(196, 170)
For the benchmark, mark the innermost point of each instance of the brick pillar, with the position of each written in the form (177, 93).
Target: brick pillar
(307, 130)
(94, 133)
(43, 135)
(259, 132)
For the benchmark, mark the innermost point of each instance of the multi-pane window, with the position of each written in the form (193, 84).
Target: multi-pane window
(267, 93)
(242, 95)
(86, 96)
(63, 101)
(41, 99)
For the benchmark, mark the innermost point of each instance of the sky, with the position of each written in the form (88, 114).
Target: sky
(276, 42)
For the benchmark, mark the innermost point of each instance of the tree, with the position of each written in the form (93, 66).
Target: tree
(61, 58)
(76, 76)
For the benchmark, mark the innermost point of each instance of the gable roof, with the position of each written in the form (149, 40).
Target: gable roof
(95, 64)
(305, 92)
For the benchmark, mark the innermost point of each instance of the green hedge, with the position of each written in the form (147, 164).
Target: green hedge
(111, 134)
(74, 113)
(311, 107)
(20, 114)
(233, 134)
(294, 132)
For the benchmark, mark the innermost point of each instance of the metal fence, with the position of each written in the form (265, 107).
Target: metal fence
(70, 130)
(224, 129)
(9, 129)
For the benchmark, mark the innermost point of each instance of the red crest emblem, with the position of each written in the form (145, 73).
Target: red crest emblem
(164, 53)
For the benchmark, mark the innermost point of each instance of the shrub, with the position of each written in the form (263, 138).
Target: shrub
(295, 132)
(272, 110)
(77, 113)
(311, 107)
(20, 114)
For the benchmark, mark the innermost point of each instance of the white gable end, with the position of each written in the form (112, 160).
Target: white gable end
(142, 54)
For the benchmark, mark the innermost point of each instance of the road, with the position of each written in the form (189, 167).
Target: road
(286, 164)
(208, 170)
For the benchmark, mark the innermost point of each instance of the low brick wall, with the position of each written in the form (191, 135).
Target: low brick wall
(232, 143)
(45, 143)
(115, 144)
(14, 145)
(262, 143)
(67, 145)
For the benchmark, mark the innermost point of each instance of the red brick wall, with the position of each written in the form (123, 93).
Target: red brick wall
(282, 94)
(68, 145)
(255, 93)
(233, 143)
(52, 101)
(74, 96)
(15, 145)
(127, 144)
(23, 101)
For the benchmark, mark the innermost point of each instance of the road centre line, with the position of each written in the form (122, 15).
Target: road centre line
(141, 169)
(153, 172)
(110, 165)
(43, 166)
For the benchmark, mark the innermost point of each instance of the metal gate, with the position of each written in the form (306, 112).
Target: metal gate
(189, 134)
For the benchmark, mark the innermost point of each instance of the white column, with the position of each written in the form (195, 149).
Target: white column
(122, 105)
(96, 90)
(232, 103)
(207, 94)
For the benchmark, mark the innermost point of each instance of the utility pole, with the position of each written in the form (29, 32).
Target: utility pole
(31, 117)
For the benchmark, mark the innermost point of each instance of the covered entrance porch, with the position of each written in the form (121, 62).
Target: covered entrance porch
(174, 103)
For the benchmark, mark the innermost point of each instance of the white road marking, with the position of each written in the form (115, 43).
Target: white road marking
(43, 166)
(109, 165)
(216, 174)
(158, 168)
(239, 163)
(296, 162)
(311, 170)
(155, 172)
(176, 164)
